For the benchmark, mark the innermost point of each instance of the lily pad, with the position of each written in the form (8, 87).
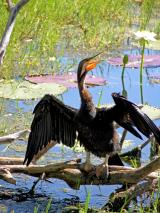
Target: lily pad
(25, 90)
(69, 80)
(151, 111)
(134, 61)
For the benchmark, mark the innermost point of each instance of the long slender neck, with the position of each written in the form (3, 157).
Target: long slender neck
(87, 106)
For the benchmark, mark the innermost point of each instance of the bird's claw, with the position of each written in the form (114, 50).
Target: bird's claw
(102, 172)
(87, 167)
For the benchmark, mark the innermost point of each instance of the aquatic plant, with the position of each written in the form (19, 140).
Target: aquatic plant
(143, 37)
(88, 198)
(125, 61)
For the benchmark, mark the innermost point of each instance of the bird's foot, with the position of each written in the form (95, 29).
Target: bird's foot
(87, 167)
(102, 171)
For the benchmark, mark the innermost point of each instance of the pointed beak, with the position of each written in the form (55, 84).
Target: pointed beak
(95, 55)
(93, 62)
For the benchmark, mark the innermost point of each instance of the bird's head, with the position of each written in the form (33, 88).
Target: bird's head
(87, 65)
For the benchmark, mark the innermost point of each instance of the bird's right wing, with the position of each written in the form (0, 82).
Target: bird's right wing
(52, 121)
(135, 117)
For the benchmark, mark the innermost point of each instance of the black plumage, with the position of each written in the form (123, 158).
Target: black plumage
(53, 120)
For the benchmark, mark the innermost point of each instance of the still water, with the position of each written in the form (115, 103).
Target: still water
(60, 193)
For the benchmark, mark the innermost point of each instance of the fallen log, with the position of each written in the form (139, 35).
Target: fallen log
(74, 176)
(11, 161)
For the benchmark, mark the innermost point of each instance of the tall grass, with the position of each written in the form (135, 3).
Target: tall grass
(71, 24)
(41, 26)
(47, 207)
(87, 202)
(147, 11)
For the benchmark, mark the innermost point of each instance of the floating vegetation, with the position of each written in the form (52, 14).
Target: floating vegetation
(68, 80)
(134, 61)
(24, 90)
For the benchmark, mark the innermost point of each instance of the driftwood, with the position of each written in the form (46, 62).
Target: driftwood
(11, 161)
(7, 176)
(72, 173)
(13, 10)
(11, 137)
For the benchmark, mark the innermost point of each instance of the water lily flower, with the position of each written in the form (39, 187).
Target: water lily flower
(52, 58)
(146, 35)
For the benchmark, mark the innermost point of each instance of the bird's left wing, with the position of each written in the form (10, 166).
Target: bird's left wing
(134, 116)
(52, 121)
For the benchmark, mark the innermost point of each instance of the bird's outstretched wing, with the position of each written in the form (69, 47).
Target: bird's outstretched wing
(52, 121)
(129, 114)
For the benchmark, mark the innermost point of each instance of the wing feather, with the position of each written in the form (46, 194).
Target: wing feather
(137, 118)
(52, 121)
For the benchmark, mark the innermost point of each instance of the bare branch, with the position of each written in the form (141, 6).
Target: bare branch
(6, 176)
(9, 27)
(11, 161)
(9, 138)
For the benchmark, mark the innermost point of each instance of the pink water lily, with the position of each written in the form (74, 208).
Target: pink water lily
(68, 80)
(134, 61)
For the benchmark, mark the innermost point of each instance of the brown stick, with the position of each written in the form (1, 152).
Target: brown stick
(11, 161)
(6, 176)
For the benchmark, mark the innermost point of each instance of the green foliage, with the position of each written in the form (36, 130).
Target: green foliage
(42, 27)
(100, 98)
(48, 205)
(88, 198)
(146, 13)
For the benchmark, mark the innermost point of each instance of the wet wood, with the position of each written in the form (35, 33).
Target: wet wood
(11, 161)
(7, 176)
(72, 174)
